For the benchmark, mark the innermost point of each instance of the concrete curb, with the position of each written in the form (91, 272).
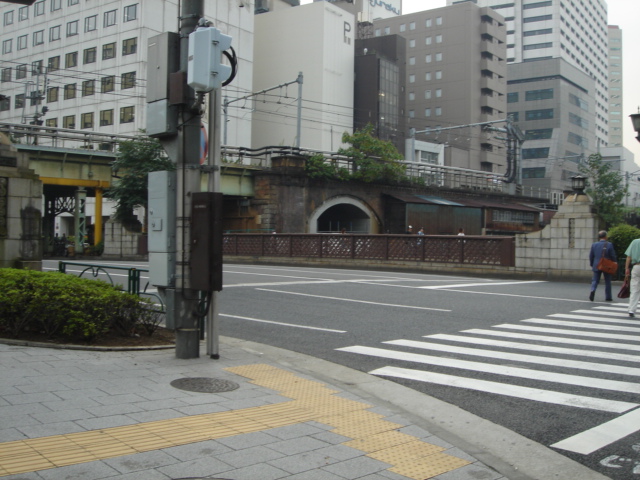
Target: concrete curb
(511, 454)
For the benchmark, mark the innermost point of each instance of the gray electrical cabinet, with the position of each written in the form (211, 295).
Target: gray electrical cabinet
(162, 228)
(163, 59)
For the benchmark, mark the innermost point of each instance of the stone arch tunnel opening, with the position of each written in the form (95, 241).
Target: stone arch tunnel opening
(349, 217)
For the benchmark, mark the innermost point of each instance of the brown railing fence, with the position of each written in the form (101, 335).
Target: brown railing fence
(468, 249)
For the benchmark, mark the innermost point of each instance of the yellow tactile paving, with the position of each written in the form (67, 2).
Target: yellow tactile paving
(310, 401)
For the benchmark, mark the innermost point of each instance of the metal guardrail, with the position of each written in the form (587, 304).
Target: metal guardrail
(468, 249)
(133, 277)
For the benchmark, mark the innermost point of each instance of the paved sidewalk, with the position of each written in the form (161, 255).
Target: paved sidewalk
(257, 413)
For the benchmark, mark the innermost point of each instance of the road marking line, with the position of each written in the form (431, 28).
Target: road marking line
(619, 312)
(353, 300)
(546, 396)
(576, 333)
(605, 434)
(544, 338)
(282, 324)
(270, 284)
(539, 348)
(541, 375)
(463, 285)
(582, 325)
(588, 318)
(518, 357)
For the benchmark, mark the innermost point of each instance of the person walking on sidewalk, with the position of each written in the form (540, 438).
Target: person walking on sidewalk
(633, 258)
(599, 249)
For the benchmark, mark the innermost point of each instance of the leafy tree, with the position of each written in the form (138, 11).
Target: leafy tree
(374, 160)
(606, 187)
(621, 236)
(135, 159)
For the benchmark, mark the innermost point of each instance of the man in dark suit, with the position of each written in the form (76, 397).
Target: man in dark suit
(598, 249)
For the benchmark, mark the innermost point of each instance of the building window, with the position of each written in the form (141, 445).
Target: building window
(427, 41)
(69, 121)
(127, 114)
(412, 96)
(56, 5)
(427, 23)
(577, 140)
(22, 42)
(91, 23)
(73, 2)
(412, 60)
(38, 37)
(438, 20)
(438, 92)
(412, 43)
(438, 57)
(537, 172)
(5, 104)
(19, 101)
(128, 80)
(439, 75)
(21, 71)
(130, 12)
(377, 32)
(438, 38)
(427, 94)
(89, 55)
(129, 46)
(412, 78)
(106, 118)
(88, 88)
(412, 26)
(109, 51)
(36, 68)
(86, 120)
(529, 153)
(53, 64)
(38, 8)
(23, 14)
(403, 27)
(110, 18)
(540, 134)
(537, 46)
(427, 76)
(52, 94)
(548, 3)
(427, 58)
(71, 60)
(107, 84)
(412, 114)
(6, 75)
(577, 101)
(543, 114)
(427, 112)
(512, 97)
(8, 18)
(54, 33)
(72, 28)
(533, 33)
(438, 111)
(540, 18)
(70, 91)
(543, 94)
(51, 122)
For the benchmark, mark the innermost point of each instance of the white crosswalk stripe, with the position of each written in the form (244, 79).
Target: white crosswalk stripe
(537, 359)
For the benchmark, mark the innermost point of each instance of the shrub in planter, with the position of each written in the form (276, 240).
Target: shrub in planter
(59, 304)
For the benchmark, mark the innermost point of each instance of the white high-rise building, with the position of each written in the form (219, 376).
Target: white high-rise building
(575, 31)
(86, 62)
(616, 103)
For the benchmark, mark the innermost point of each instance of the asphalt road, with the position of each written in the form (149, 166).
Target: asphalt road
(536, 357)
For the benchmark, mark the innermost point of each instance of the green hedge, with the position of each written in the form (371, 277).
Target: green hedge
(65, 306)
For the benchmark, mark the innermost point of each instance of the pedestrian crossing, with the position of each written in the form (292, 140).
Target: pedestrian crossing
(584, 359)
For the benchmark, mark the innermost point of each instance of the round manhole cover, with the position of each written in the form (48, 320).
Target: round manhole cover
(204, 385)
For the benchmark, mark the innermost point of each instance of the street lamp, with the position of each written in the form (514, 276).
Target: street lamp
(635, 119)
(578, 183)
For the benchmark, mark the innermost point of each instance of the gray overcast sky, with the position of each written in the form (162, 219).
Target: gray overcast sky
(621, 13)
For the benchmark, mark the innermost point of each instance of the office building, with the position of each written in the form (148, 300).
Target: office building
(456, 69)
